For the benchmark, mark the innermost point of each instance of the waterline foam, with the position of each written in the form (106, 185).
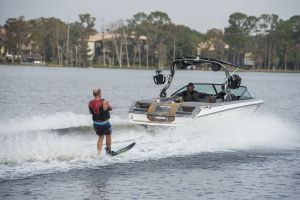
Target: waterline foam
(50, 122)
(45, 151)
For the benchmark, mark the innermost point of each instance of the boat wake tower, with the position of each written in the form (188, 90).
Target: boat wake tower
(232, 81)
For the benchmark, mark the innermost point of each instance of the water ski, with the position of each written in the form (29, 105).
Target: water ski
(122, 150)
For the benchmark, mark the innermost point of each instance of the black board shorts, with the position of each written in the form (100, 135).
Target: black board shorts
(102, 128)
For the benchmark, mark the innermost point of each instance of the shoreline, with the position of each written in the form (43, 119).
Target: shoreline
(140, 68)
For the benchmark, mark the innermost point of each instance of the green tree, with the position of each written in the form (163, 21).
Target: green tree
(264, 25)
(284, 42)
(215, 45)
(273, 26)
(17, 36)
(50, 36)
(295, 34)
(235, 35)
(74, 42)
(187, 41)
(159, 18)
(87, 23)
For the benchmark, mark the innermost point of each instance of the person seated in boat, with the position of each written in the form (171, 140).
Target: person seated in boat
(191, 95)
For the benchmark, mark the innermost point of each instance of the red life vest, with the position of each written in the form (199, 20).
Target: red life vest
(96, 109)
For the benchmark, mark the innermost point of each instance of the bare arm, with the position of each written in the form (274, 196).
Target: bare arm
(106, 105)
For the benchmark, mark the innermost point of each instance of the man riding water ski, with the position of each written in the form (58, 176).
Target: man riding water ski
(99, 108)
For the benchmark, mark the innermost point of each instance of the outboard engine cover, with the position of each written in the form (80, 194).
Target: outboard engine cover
(159, 78)
(234, 81)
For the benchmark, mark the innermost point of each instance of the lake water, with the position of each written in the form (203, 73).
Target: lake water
(48, 147)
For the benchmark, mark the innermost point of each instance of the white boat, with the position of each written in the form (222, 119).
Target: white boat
(213, 100)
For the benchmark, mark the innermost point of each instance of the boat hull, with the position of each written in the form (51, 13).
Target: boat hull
(237, 109)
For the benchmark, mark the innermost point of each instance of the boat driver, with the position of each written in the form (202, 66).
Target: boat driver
(190, 94)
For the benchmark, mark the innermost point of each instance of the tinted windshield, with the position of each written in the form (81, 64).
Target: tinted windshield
(213, 89)
(241, 92)
(206, 88)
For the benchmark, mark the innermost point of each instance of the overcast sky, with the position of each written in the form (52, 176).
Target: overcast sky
(197, 14)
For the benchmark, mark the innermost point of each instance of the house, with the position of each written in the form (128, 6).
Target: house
(97, 40)
(102, 44)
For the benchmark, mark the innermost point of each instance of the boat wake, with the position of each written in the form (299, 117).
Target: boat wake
(50, 122)
(64, 141)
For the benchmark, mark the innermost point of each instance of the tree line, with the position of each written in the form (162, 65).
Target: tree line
(265, 42)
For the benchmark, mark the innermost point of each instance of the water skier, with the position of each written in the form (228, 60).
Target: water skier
(99, 108)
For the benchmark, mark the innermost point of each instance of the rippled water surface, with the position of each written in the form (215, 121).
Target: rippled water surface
(48, 147)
